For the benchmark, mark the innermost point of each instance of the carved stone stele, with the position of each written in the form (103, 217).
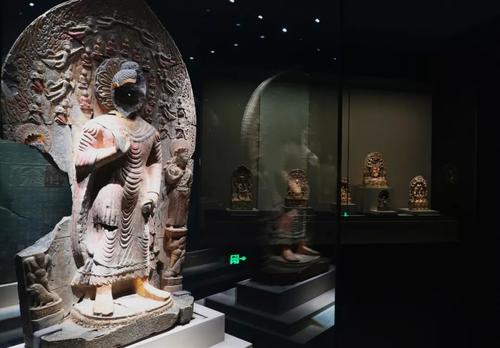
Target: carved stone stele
(418, 194)
(345, 192)
(374, 174)
(178, 180)
(241, 189)
(100, 87)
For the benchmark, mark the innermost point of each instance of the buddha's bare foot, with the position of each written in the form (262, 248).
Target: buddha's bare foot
(305, 250)
(145, 289)
(103, 304)
(288, 255)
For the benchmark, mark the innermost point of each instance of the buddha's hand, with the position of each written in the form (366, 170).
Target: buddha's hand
(122, 141)
(149, 203)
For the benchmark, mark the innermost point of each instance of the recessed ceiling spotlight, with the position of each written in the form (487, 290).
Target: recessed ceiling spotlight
(232, 1)
(212, 51)
(317, 20)
(191, 58)
(238, 24)
(318, 49)
(260, 17)
(284, 29)
(334, 58)
(262, 37)
(235, 44)
(31, 4)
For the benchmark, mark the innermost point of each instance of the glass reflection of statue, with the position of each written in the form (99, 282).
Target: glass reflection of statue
(118, 166)
(418, 194)
(374, 174)
(290, 232)
(241, 189)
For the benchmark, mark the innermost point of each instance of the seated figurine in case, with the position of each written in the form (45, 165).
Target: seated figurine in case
(418, 193)
(374, 174)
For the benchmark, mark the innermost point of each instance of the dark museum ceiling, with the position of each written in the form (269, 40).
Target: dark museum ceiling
(222, 32)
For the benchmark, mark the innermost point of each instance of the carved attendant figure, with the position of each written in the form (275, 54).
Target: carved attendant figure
(58, 90)
(179, 178)
(37, 268)
(37, 77)
(60, 59)
(118, 166)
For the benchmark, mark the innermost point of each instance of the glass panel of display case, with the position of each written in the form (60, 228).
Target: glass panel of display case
(272, 211)
(387, 142)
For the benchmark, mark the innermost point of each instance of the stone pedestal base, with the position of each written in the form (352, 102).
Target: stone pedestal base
(350, 208)
(278, 299)
(126, 308)
(175, 243)
(205, 330)
(420, 212)
(135, 318)
(301, 321)
(277, 270)
(368, 198)
(382, 212)
(243, 212)
(47, 315)
(172, 284)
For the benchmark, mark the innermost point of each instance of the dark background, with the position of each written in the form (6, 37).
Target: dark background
(388, 295)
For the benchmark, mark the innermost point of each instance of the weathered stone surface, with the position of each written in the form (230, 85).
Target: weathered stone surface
(59, 273)
(184, 301)
(102, 89)
(49, 320)
(74, 336)
(52, 71)
(279, 272)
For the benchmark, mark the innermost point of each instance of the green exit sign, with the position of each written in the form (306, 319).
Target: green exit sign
(234, 259)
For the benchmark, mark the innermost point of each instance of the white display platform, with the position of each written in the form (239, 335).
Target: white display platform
(205, 330)
(367, 197)
(10, 314)
(8, 295)
(420, 212)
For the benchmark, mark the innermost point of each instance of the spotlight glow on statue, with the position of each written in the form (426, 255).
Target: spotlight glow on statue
(118, 167)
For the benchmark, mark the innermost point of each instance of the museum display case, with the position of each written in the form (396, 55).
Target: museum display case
(189, 173)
